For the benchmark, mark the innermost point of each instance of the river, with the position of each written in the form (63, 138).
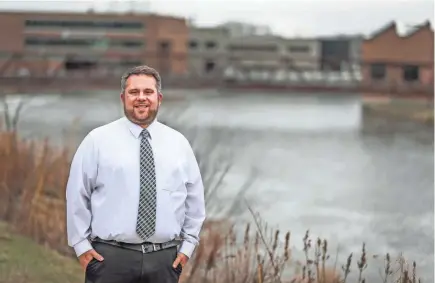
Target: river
(318, 164)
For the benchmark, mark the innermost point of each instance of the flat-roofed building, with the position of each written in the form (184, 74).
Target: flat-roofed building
(69, 41)
(303, 53)
(275, 53)
(207, 50)
(340, 53)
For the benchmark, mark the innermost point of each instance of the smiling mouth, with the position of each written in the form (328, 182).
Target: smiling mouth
(142, 107)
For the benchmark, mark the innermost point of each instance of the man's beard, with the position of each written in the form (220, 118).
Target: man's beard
(152, 113)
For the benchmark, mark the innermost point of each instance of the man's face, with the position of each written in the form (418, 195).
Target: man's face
(141, 99)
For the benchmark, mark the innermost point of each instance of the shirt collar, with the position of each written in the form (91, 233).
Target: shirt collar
(135, 129)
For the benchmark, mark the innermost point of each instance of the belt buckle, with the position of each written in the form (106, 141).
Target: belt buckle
(154, 247)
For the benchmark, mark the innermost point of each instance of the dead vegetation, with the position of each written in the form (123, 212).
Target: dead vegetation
(33, 176)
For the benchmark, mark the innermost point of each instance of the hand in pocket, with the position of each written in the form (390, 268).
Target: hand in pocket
(88, 256)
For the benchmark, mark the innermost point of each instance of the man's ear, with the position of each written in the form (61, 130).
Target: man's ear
(160, 96)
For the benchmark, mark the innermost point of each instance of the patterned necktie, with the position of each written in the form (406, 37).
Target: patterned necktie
(146, 218)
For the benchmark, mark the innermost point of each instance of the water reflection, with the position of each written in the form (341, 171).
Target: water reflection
(276, 112)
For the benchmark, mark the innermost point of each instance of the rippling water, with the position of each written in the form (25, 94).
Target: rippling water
(318, 166)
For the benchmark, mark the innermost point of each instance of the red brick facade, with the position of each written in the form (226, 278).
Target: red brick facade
(399, 61)
(158, 41)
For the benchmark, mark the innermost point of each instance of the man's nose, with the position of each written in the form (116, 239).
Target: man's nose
(142, 95)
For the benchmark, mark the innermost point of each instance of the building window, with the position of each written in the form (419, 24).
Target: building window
(253, 48)
(83, 24)
(299, 49)
(410, 73)
(210, 45)
(209, 66)
(127, 44)
(378, 71)
(79, 64)
(164, 46)
(82, 42)
(193, 44)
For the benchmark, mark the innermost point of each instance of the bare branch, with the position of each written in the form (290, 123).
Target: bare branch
(6, 113)
(16, 117)
(260, 232)
(11, 121)
(240, 195)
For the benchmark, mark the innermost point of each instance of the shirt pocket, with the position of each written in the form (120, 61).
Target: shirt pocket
(173, 179)
(114, 170)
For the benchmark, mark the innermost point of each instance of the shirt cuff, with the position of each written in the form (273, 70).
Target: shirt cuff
(82, 247)
(187, 249)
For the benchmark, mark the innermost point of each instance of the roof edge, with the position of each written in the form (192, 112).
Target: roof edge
(392, 25)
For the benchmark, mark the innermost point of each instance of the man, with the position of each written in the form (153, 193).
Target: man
(135, 199)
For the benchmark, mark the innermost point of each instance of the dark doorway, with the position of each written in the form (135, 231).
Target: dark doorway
(73, 64)
(209, 66)
(163, 55)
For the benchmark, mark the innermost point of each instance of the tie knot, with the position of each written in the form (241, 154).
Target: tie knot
(145, 133)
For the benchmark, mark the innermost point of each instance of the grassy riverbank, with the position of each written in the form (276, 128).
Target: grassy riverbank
(22, 260)
(417, 110)
(33, 176)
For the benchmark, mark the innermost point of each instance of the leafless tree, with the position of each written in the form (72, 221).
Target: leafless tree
(11, 119)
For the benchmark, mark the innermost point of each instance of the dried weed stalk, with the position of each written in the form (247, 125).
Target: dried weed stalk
(33, 177)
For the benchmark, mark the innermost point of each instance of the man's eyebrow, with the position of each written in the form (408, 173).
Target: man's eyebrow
(146, 89)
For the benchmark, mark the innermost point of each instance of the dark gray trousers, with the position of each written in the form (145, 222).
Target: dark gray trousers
(122, 265)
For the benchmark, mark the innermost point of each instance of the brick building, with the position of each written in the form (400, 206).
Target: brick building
(67, 41)
(400, 61)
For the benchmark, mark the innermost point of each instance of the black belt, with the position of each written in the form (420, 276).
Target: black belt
(143, 247)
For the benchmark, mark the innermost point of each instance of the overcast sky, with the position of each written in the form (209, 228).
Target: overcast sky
(285, 17)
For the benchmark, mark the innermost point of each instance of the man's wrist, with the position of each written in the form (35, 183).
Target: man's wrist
(82, 247)
(187, 248)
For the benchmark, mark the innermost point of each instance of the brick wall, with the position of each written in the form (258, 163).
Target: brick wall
(11, 33)
(156, 29)
(395, 51)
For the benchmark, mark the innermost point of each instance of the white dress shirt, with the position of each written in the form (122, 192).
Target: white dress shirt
(102, 192)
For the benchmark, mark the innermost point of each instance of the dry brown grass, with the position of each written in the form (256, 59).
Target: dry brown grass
(32, 198)
(32, 182)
